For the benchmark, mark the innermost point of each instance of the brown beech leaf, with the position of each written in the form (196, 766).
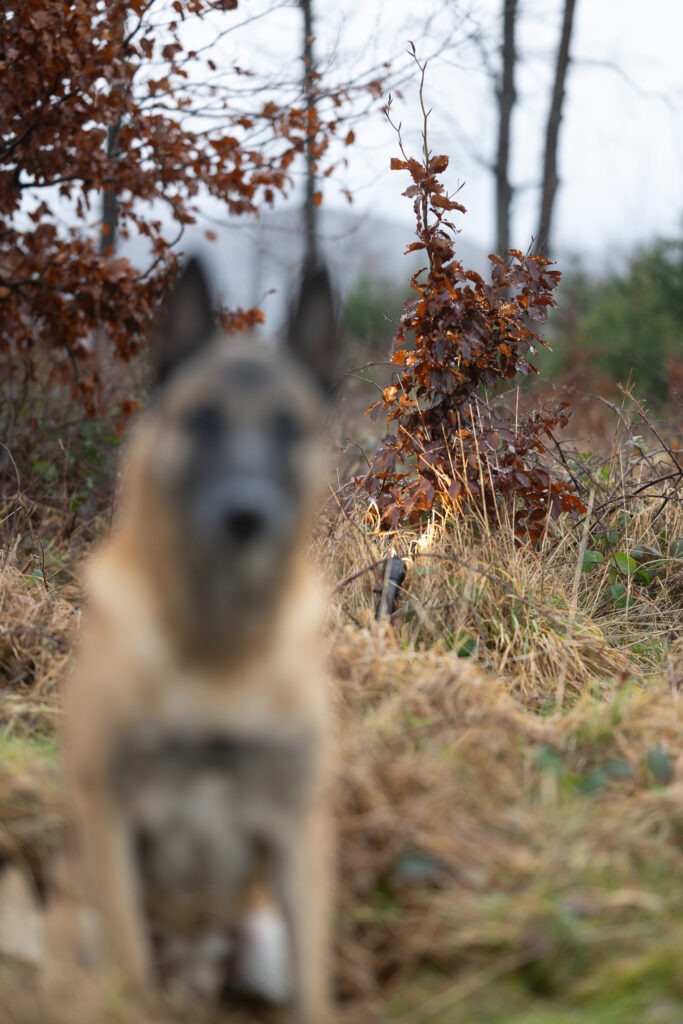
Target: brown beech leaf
(444, 203)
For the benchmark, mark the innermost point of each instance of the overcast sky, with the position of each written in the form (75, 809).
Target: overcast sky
(621, 158)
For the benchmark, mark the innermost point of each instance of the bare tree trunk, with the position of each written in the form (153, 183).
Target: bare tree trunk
(110, 199)
(506, 96)
(110, 202)
(310, 208)
(552, 134)
(108, 231)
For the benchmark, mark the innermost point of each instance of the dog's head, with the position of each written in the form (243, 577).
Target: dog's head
(230, 457)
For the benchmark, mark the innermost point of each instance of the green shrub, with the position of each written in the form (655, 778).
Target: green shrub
(628, 325)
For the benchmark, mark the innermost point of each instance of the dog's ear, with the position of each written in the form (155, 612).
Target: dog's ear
(187, 323)
(312, 332)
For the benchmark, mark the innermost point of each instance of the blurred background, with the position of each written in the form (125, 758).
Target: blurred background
(578, 106)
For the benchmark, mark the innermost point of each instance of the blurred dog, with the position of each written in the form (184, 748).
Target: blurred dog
(196, 739)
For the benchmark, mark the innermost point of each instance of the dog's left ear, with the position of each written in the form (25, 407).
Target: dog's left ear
(187, 324)
(312, 331)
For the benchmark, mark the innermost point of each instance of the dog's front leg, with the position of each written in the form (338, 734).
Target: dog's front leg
(305, 889)
(113, 879)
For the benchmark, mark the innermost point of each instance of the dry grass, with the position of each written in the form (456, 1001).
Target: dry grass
(511, 795)
(528, 613)
(478, 838)
(37, 628)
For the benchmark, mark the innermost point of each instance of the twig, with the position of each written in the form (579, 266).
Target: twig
(559, 694)
(13, 527)
(356, 575)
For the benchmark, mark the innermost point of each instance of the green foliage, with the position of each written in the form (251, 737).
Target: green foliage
(372, 311)
(628, 324)
(628, 570)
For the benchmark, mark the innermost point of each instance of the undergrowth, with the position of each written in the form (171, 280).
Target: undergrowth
(510, 801)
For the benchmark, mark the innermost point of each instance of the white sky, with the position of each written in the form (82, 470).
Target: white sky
(621, 158)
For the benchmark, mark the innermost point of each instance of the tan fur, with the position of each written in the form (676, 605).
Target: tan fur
(146, 694)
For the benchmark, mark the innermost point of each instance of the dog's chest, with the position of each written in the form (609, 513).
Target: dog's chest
(208, 810)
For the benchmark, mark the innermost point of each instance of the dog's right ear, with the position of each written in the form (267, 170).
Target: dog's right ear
(186, 325)
(312, 333)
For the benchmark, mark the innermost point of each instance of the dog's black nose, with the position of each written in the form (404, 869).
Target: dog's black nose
(244, 524)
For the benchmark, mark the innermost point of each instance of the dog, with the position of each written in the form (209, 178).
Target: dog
(197, 736)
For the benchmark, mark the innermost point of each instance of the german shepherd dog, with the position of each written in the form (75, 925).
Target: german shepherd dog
(197, 742)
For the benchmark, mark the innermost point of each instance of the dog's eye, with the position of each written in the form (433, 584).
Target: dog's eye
(204, 422)
(287, 428)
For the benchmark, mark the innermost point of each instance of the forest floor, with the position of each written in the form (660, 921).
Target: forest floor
(510, 797)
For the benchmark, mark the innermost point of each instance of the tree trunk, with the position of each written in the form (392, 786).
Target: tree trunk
(552, 134)
(108, 230)
(310, 208)
(506, 96)
(110, 202)
(110, 199)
